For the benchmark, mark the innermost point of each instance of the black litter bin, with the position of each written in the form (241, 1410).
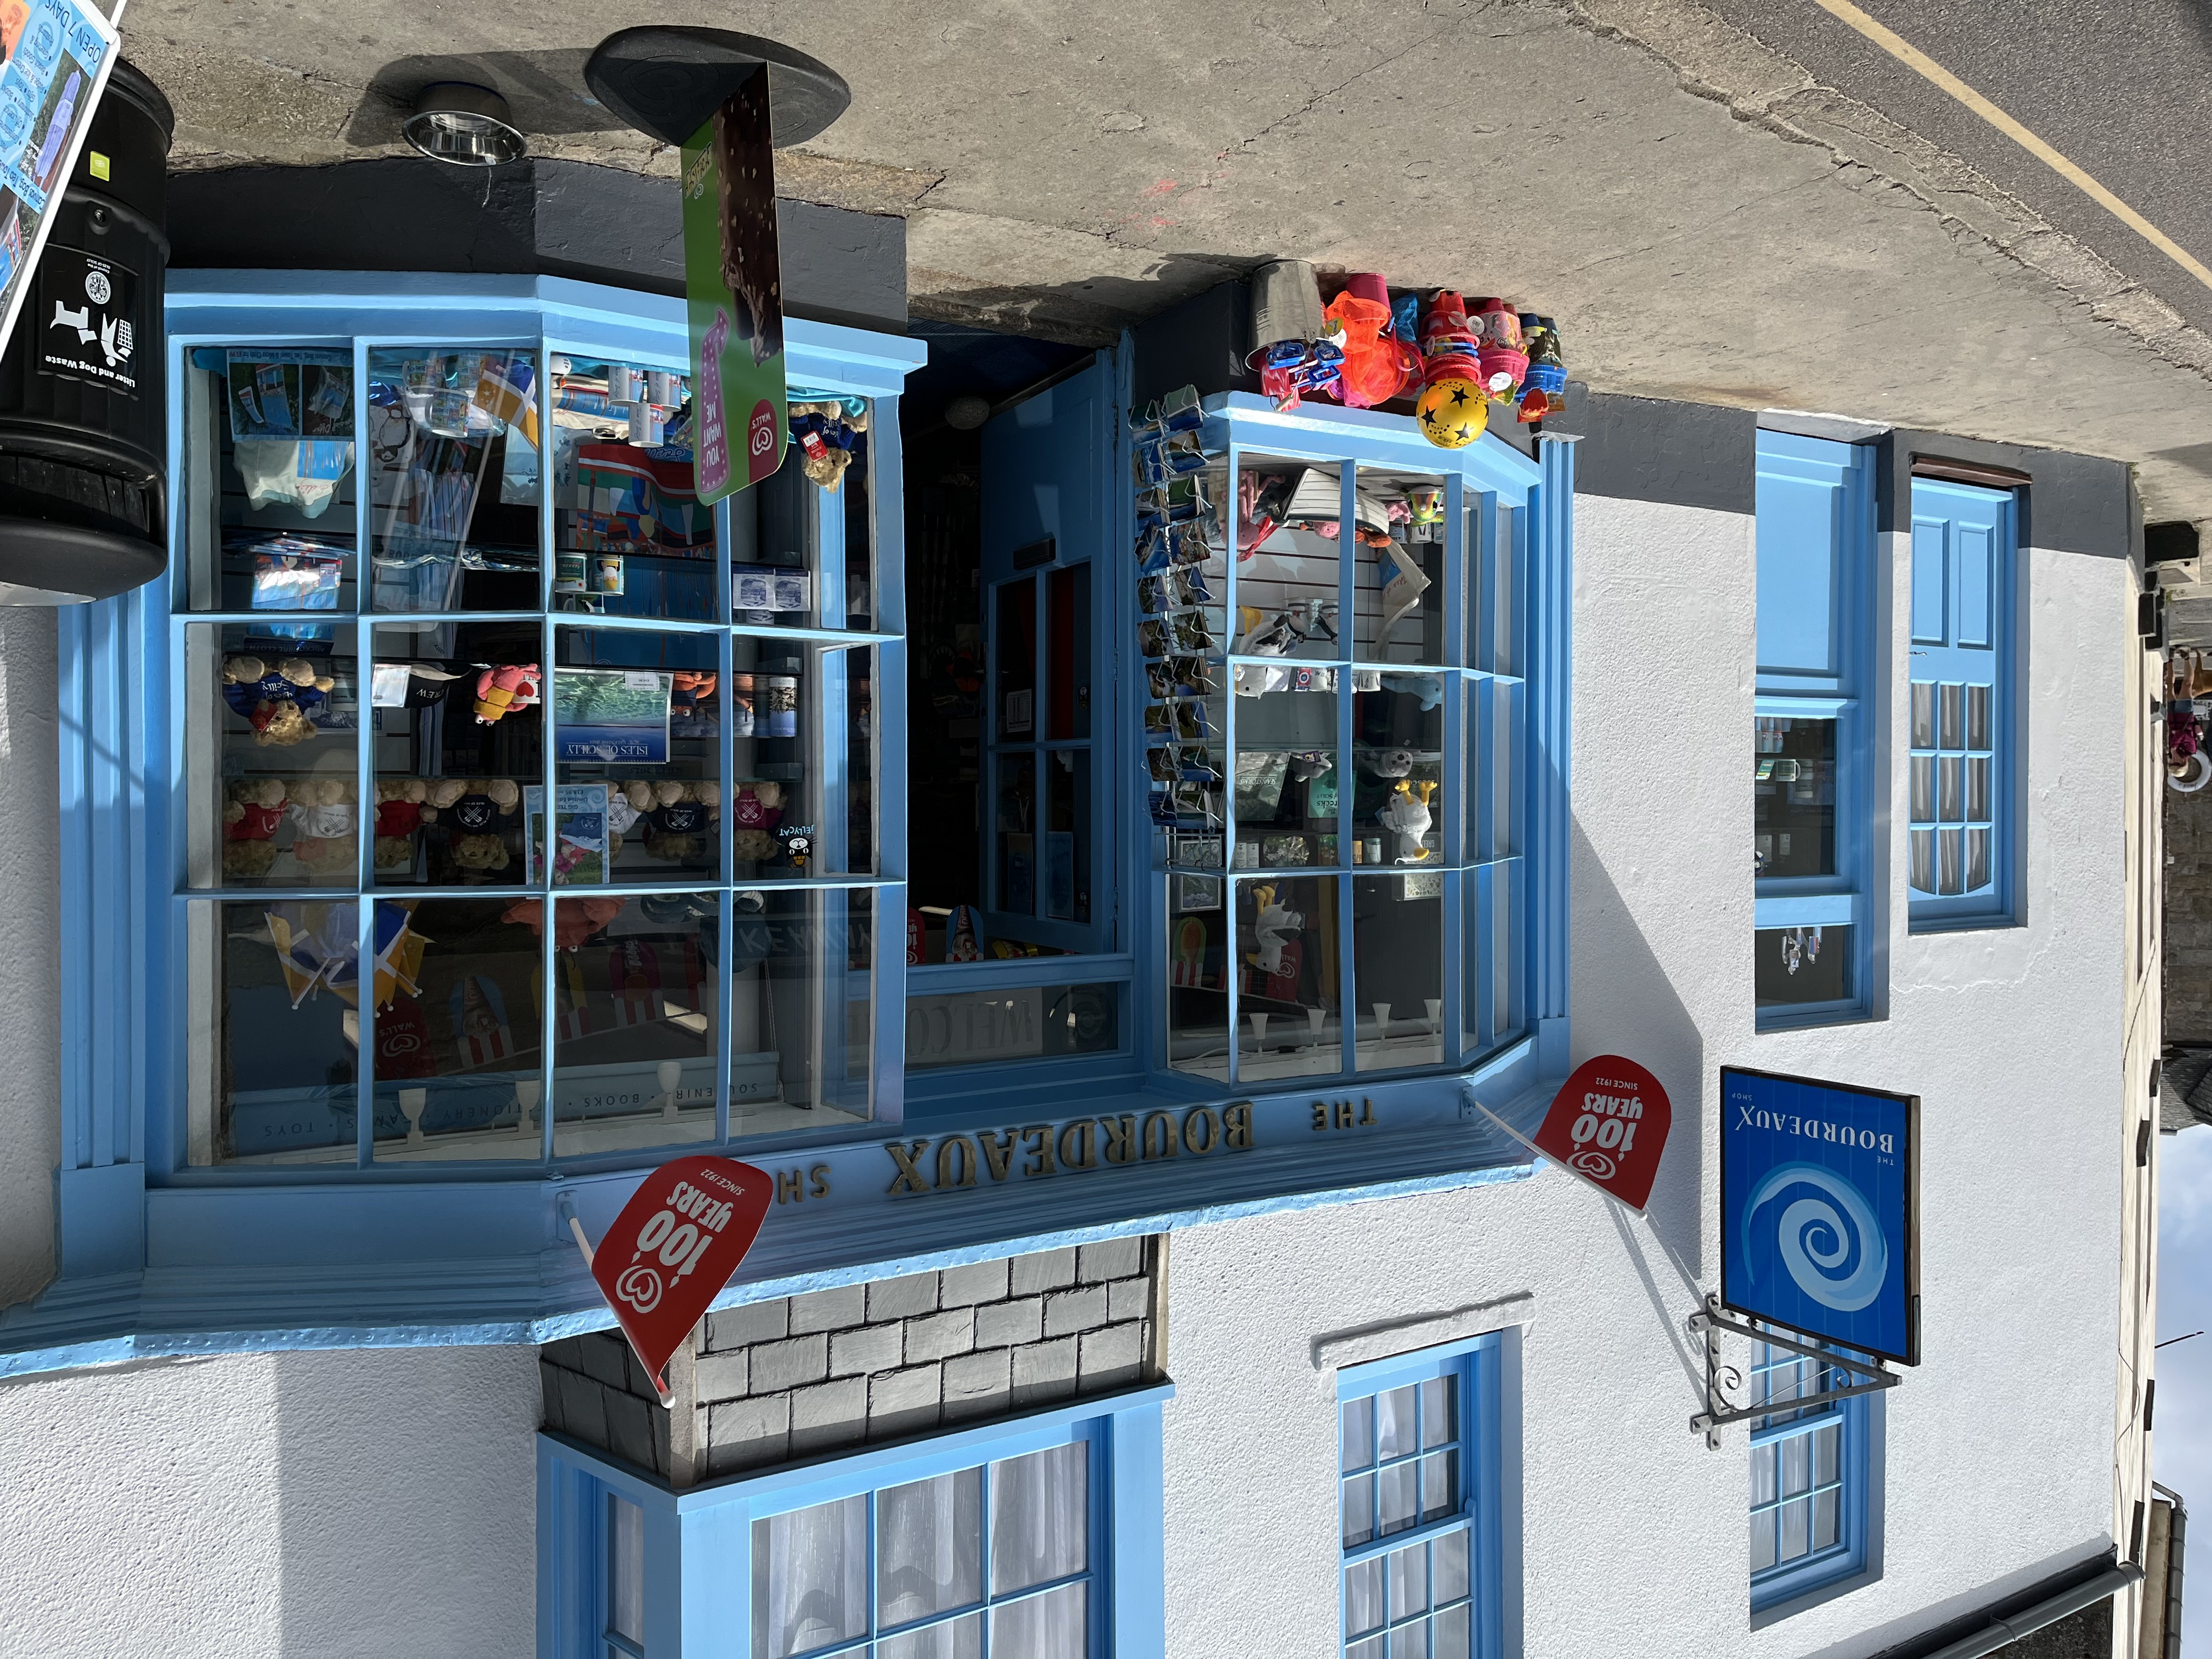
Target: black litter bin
(83, 508)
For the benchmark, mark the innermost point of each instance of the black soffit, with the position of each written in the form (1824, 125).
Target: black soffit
(668, 82)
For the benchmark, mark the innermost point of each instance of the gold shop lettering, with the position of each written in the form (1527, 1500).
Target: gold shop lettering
(792, 1186)
(1047, 1149)
(1342, 1114)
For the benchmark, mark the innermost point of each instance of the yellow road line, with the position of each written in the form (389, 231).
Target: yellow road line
(1922, 65)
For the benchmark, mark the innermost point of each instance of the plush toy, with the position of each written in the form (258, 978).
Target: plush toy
(274, 701)
(753, 846)
(1273, 927)
(1426, 690)
(324, 818)
(1407, 813)
(251, 818)
(502, 691)
(678, 821)
(399, 802)
(479, 852)
(828, 436)
(574, 920)
(757, 805)
(439, 794)
(1390, 762)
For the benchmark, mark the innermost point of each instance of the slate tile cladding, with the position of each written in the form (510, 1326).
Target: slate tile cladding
(775, 1381)
(595, 1391)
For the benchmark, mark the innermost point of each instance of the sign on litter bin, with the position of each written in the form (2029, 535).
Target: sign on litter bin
(57, 62)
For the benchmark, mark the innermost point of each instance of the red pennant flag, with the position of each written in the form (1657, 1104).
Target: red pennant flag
(673, 1248)
(1609, 1124)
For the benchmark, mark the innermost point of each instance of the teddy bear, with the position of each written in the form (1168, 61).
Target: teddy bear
(439, 794)
(323, 815)
(753, 846)
(275, 701)
(756, 805)
(681, 815)
(252, 815)
(479, 852)
(399, 802)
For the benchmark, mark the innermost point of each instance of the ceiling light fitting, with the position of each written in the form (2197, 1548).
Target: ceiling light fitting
(466, 125)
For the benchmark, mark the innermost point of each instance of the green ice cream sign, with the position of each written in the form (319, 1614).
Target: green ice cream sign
(733, 293)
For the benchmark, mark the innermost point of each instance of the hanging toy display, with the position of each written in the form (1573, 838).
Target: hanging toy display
(1504, 363)
(828, 432)
(1377, 366)
(1453, 409)
(1298, 350)
(1544, 391)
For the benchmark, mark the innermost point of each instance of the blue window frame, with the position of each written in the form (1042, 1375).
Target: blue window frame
(1038, 1538)
(1350, 696)
(1419, 1504)
(1964, 753)
(561, 547)
(1811, 1503)
(1814, 737)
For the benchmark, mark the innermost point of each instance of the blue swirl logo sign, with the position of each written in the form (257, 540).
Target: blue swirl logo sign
(1827, 1238)
(1819, 1210)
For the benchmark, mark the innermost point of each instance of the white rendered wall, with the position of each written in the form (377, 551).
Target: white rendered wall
(363, 1505)
(382, 1502)
(1999, 1461)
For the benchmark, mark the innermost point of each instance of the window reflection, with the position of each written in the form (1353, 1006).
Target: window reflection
(453, 478)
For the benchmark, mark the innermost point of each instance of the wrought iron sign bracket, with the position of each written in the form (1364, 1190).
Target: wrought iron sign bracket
(1722, 1379)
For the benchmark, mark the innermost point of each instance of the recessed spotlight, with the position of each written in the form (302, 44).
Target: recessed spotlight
(466, 125)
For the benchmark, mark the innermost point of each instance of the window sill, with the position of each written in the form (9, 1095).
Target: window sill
(248, 1266)
(1792, 1600)
(1989, 922)
(1769, 1021)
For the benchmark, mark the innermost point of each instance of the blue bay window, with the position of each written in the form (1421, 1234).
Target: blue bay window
(1038, 1538)
(470, 819)
(1418, 1495)
(521, 806)
(1814, 740)
(1963, 751)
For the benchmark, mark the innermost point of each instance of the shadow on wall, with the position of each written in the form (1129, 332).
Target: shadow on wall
(407, 1508)
(1623, 1002)
(1087, 311)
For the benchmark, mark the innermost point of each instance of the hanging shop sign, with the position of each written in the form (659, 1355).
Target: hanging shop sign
(1609, 1124)
(673, 1248)
(1820, 1210)
(734, 293)
(59, 53)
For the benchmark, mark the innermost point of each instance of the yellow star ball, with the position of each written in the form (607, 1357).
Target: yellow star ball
(1452, 412)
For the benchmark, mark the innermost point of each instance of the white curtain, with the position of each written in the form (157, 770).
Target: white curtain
(929, 1547)
(1048, 1626)
(809, 1578)
(1040, 1517)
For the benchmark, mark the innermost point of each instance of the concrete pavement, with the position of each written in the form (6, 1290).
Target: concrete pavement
(1708, 217)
